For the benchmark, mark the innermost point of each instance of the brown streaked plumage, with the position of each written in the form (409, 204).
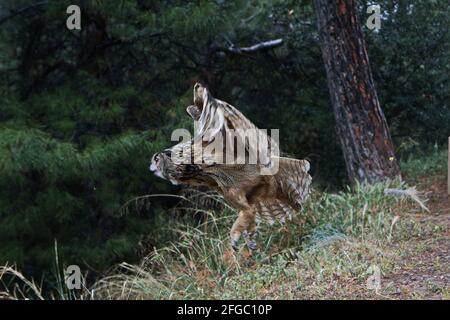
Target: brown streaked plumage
(254, 195)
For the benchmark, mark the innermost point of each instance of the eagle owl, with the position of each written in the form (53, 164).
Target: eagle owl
(256, 196)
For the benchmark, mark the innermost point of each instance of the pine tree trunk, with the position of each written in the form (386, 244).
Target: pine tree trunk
(361, 124)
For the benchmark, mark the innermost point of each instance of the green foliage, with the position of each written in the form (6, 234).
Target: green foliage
(435, 163)
(81, 112)
(411, 69)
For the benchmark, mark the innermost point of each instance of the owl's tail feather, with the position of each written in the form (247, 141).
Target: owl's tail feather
(274, 210)
(294, 179)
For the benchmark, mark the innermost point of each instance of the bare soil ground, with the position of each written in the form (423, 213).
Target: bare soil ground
(424, 270)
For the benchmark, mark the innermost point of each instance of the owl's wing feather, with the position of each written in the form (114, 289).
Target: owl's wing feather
(294, 182)
(221, 119)
(274, 209)
(294, 179)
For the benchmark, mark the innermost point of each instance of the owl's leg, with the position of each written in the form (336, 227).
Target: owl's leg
(246, 218)
(250, 236)
(244, 225)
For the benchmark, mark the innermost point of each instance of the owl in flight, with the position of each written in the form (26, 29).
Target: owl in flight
(259, 188)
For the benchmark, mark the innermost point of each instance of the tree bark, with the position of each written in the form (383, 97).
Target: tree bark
(360, 122)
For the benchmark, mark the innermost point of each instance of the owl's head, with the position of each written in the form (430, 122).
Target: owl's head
(163, 166)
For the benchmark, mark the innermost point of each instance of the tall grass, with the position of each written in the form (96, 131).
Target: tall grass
(324, 251)
(328, 236)
(434, 163)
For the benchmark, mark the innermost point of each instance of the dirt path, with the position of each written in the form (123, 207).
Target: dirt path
(424, 271)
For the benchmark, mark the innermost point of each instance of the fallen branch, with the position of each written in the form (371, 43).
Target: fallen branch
(411, 193)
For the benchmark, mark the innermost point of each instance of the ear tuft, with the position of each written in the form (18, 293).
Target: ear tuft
(199, 95)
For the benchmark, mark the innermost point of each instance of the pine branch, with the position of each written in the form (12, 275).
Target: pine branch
(256, 47)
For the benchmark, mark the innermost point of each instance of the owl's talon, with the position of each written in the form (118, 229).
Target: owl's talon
(252, 245)
(234, 245)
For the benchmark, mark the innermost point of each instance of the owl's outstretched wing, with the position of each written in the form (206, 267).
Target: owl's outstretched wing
(216, 119)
